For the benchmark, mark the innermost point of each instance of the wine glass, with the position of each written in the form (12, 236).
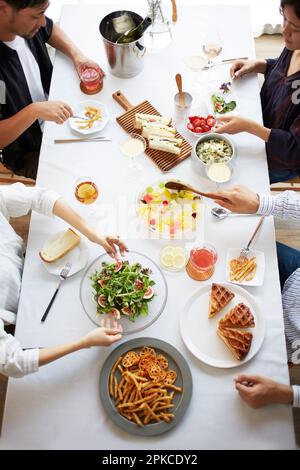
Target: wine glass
(212, 46)
(132, 146)
(86, 192)
(196, 62)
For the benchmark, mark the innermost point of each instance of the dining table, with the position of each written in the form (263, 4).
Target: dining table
(59, 407)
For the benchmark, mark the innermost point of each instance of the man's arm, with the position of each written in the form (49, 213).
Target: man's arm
(13, 127)
(61, 41)
(243, 200)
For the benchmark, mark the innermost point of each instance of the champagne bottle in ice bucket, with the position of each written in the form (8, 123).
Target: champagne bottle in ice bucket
(135, 33)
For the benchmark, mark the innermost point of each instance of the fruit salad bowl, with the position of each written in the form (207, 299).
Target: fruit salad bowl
(168, 214)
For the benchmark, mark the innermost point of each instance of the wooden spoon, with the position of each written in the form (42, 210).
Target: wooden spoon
(176, 185)
(174, 11)
(179, 86)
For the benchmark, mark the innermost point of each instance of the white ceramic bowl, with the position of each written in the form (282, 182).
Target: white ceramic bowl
(203, 138)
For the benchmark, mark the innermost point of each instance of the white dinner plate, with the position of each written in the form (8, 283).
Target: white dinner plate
(199, 332)
(260, 270)
(78, 257)
(79, 110)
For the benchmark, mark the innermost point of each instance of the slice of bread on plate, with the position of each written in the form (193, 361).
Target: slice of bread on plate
(60, 246)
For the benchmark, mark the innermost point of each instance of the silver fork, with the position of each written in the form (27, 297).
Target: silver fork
(63, 275)
(245, 251)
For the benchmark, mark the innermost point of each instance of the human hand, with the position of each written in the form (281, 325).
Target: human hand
(232, 125)
(110, 243)
(54, 111)
(108, 333)
(261, 391)
(83, 61)
(242, 67)
(239, 199)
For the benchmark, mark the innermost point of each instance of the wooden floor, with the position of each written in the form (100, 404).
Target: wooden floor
(287, 232)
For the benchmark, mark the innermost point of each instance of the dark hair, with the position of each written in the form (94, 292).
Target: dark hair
(21, 4)
(292, 3)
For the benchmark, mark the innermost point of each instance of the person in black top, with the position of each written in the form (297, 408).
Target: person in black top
(280, 99)
(25, 76)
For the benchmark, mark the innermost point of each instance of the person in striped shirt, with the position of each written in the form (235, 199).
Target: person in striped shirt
(17, 200)
(255, 390)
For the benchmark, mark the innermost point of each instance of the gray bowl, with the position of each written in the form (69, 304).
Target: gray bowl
(198, 161)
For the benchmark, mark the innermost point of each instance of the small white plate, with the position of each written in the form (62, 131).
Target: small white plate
(260, 270)
(199, 332)
(79, 257)
(79, 110)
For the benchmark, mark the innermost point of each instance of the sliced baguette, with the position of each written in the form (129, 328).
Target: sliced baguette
(60, 247)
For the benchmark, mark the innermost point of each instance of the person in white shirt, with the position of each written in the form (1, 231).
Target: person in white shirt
(255, 390)
(17, 200)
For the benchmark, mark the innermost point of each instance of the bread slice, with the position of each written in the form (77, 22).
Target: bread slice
(220, 296)
(60, 247)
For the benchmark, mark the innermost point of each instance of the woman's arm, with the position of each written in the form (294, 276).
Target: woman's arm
(101, 336)
(64, 211)
(16, 362)
(237, 124)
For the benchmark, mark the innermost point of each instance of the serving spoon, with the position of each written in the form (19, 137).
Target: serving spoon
(176, 185)
(221, 213)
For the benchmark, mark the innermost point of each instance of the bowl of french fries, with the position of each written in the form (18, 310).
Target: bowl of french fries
(246, 271)
(145, 386)
(89, 117)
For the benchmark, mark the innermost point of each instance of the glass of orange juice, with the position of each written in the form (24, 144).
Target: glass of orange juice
(201, 263)
(86, 191)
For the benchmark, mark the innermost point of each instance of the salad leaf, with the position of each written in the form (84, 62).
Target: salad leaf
(220, 106)
(123, 290)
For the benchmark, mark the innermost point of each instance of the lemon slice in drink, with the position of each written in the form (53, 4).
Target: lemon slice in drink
(168, 250)
(178, 251)
(166, 260)
(179, 261)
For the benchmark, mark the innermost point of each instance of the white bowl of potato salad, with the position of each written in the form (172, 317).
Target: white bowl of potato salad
(213, 148)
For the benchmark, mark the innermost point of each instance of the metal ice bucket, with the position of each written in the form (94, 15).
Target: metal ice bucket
(125, 60)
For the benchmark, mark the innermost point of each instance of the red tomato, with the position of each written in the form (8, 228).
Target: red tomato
(210, 121)
(190, 127)
(210, 116)
(206, 128)
(191, 118)
(197, 122)
(199, 130)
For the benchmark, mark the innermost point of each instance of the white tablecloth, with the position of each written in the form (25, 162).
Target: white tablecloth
(59, 407)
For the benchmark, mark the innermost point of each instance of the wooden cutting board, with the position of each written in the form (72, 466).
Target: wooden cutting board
(164, 160)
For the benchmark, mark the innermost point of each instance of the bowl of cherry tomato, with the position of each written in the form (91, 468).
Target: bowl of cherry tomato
(199, 124)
